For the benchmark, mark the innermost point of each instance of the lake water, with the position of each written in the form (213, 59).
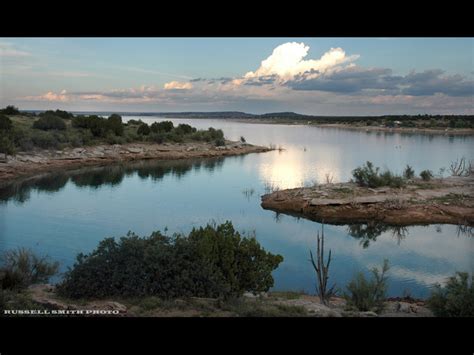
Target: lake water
(67, 213)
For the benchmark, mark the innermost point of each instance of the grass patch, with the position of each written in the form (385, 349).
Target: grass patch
(451, 198)
(287, 295)
(246, 308)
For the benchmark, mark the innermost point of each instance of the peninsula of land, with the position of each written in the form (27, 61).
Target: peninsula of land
(449, 200)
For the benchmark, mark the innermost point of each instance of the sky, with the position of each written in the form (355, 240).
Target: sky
(319, 76)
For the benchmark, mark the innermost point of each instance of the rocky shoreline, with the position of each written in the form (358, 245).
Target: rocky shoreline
(25, 164)
(449, 200)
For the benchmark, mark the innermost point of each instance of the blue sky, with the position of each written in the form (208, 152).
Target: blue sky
(331, 76)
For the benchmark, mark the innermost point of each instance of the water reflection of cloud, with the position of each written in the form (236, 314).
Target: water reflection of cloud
(428, 278)
(290, 169)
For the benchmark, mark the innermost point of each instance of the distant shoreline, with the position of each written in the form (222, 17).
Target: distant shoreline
(441, 131)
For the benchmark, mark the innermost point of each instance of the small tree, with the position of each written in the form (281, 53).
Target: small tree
(460, 167)
(322, 271)
(408, 173)
(426, 175)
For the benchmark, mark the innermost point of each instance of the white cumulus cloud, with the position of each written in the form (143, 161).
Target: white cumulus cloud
(287, 61)
(177, 85)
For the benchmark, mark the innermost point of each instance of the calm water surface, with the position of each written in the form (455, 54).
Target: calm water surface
(64, 214)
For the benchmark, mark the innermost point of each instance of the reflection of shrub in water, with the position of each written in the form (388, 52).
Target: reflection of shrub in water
(463, 229)
(111, 175)
(369, 232)
(20, 192)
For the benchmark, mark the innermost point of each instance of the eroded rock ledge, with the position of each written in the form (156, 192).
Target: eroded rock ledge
(449, 200)
(40, 161)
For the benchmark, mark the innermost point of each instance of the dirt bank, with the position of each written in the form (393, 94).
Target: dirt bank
(448, 200)
(40, 161)
(273, 304)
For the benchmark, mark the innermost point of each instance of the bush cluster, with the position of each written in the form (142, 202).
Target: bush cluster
(99, 126)
(21, 268)
(214, 261)
(456, 299)
(160, 127)
(10, 110)
(50, 122)
(368, 176)
(59, 113)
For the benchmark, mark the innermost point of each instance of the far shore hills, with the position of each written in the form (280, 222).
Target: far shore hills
(427, 124)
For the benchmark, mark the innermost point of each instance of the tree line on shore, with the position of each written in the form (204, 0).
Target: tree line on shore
(60, 129)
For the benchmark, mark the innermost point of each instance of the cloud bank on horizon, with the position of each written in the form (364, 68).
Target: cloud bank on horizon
(286, 80)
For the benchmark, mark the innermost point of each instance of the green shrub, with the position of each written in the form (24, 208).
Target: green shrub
(214, 261)
(387, 178)
(426, 175)
(6, 124)
(50, 122)
(456, 299)
(409, 173)
(173, 137)
(10, 110)
(134, 122)
(184, 129)
(164, 126)
(157, 138)
(98, 126)
(143, 130)
(59, 113)
(243, 265)
(21, 268)
(219, 142)
(215, 133)
(242, 139)
(368, 176)
(45, 140)
(368, 295)
(6, 145)
(113, 139)
(114, 124)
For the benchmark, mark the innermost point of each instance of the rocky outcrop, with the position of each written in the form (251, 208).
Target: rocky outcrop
(448, 200)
